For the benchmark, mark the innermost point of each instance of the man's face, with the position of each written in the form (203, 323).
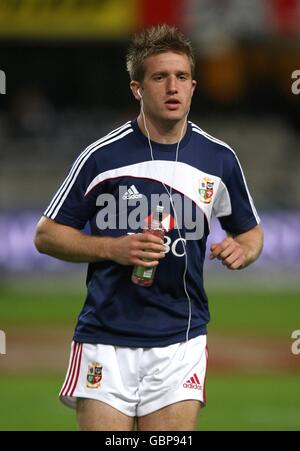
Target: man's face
(167, 87)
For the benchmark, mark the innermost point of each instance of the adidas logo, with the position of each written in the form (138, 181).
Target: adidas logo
(132, 193)
(193, 382)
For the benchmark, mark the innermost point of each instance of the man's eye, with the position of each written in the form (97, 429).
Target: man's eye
(158, 77)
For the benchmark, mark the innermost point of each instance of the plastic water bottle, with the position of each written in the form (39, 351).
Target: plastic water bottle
(141, 275)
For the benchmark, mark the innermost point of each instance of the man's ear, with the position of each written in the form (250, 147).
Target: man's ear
(194, 84)
(135, 89)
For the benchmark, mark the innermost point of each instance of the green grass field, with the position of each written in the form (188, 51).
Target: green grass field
(268, 401)
(240, 310)
(234, 403)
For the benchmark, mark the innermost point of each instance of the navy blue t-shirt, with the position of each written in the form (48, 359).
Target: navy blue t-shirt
(114, 185)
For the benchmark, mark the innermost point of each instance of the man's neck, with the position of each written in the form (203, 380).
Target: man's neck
(164, 133)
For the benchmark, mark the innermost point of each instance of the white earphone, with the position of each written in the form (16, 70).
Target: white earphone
(139, 93)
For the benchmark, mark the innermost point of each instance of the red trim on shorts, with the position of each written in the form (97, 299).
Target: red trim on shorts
(78, 370)
(204, 383)
(71, 376)
(70, 367)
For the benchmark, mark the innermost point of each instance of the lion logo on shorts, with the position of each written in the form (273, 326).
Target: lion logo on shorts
(94, 375)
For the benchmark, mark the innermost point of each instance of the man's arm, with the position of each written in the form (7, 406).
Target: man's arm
(72, 245)
(239, 251)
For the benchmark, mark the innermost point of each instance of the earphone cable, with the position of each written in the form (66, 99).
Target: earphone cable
(183, 241)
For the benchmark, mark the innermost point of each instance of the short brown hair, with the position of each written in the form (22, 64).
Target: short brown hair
(154, 40)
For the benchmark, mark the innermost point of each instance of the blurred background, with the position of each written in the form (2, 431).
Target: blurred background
(66, 85)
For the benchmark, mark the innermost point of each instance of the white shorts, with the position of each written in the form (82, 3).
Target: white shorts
(136, 381)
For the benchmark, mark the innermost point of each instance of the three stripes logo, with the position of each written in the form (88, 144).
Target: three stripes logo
(193, 383)
(132, 193)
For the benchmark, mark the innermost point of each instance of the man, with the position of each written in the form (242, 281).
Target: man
(141, 352)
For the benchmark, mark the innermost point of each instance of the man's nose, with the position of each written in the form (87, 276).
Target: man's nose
(172, 85)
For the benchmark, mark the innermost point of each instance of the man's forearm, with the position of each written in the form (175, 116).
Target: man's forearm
(69, 244)
(72, 245)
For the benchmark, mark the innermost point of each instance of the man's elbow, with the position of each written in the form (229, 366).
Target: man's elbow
(257, 243)
(260, 240)
(41, 237)
(39, 241)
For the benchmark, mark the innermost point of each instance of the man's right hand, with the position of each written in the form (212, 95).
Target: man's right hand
(136, 249)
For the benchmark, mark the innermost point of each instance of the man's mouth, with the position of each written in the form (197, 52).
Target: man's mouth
(172, 104)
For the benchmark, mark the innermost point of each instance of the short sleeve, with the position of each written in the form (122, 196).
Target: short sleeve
(234, 206)
(70, 205)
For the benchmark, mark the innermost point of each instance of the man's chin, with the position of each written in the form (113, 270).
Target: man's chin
(173, 118)
(169, 118)
(174, 115)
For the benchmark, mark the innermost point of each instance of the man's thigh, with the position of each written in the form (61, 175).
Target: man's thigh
(93, 415)
(180, 416)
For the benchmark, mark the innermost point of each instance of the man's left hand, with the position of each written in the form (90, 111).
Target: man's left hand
(230, 252)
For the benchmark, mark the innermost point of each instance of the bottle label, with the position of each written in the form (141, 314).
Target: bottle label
(143, 273)
(140, 273)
